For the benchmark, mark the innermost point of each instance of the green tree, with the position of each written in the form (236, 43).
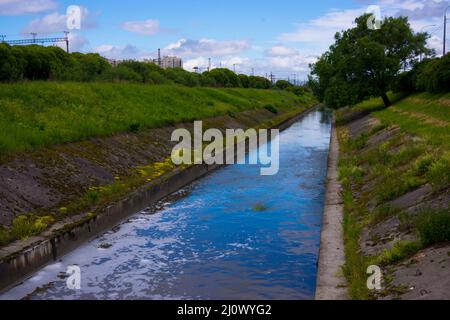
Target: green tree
(11, 66)
(225, 78)
(434, 76)
(283, 84)
(259, 82)
(245, 82)
(364, 62)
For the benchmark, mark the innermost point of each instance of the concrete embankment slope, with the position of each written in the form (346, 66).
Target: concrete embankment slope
(395, 174)
(331, 284)
(23, 257)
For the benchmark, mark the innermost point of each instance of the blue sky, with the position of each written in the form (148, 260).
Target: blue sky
(281, 36)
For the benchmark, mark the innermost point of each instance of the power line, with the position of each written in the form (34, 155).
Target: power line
(36, 40)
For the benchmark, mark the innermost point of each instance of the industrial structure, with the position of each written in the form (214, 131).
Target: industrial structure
(167, 62)
(36, 40)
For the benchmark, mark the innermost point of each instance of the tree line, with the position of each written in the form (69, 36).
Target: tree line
(34, 62)
(365, 62)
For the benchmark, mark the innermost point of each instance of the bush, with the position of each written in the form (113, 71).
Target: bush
(121, 73)
(435, 76)
(225, 78)
(245, 81)
(271, 108)
(434, 227)
(439, 172)
(407, 81)
(11, 66)
(25, 226)
(299, 91)
(259, 82)
(400, 251)
(283, 84)
(423, 164)
(5, 236)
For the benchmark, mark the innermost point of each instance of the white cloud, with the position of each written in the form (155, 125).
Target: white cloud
(16, 8)
(285, 60)
(316, 35)
(281, 51)
(118, 52)
(53, 22)
(76, 42)
(207, 47)
(148, 27)
(320, 31)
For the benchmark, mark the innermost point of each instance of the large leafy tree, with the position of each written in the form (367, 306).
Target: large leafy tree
(364, 62)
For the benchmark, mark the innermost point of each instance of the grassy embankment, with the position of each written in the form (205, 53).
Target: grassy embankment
(41, 114)
(418, 155)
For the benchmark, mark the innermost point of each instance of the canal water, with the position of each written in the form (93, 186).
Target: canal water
(232, 235)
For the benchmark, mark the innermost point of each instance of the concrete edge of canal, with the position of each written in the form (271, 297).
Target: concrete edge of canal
(331, 284)
(20, 260)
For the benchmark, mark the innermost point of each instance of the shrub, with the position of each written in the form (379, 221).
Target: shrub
(283, 84)
(423, 164)
(435, 75)
(400, 251)
(434, 227)
(271, 108)
(121, 73)
(25, 226)
(299, 91)
(439, 172)
(135, 127)
(5, 236)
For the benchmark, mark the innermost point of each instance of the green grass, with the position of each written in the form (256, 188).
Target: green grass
(434, 105)
(434, 226)
(431, 106)
(417, 155)
(23, 227)
(37, 114)
(376, 103)
(400, 251)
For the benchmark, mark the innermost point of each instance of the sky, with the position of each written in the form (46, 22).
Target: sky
(254, 36)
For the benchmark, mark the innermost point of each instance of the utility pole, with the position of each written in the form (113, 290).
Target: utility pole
(159, 57)
(271, 78)
(445, 29)
(67, 40)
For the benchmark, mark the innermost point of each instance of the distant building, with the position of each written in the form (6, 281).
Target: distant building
(167, 62)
